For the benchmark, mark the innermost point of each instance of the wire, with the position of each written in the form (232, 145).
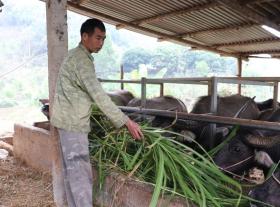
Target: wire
(22, 64)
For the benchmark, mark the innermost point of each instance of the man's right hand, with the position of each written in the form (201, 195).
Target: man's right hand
(134, 129)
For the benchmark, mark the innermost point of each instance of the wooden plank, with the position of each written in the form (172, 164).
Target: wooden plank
(206, 118)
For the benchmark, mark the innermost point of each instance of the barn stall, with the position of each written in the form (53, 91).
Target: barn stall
(229, 28)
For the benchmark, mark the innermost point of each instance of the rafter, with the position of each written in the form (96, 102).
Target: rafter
(170, 14)
(217, 29)
(86, 11)
(276, 56)
(271, 52)
(248, 13)
(242, 2)
(78, 1)
(249, 42)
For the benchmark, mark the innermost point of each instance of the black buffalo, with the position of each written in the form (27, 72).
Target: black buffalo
(45, 107)
(120, 97)
(229, 106)
(168, 103)
(242, 152)
(267, 104)
(268, 192)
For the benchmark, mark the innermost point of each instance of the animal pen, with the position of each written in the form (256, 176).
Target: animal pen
(37, 145)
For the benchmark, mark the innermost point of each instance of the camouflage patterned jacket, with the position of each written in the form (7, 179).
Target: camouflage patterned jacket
(76, 89)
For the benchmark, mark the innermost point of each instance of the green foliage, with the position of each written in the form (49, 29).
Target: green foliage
(25, 89)
(134, 57)
(106, 60)
(171, 167)
(178, 61)
(202, 68)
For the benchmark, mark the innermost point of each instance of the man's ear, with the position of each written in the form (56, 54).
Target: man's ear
(84, 36)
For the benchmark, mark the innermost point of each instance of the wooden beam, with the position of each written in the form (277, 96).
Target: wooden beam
(249, 42)
(242, 2)
(86, 11)
(276, 56)
(217, 29)
(271, 52)
(78, 1)
(205, 118)
(57, 42)
(212, 30)
(170, 14)
(248, 13)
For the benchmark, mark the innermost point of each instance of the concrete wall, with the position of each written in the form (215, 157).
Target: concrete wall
(32, 145)
(119, 191)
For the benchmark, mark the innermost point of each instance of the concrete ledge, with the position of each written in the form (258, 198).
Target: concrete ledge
(32, 145)
(7, 139)
(118, 191)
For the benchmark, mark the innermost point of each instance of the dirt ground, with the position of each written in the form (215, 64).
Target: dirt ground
(20, 186)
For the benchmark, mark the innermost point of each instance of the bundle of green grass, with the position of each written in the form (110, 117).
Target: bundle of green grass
(173, 168)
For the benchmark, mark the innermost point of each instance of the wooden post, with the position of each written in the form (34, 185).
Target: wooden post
(275, 96)
(239, 73)
(143, 92)
(161, 93)
(57, 38)
(213, 109)
(122, 76)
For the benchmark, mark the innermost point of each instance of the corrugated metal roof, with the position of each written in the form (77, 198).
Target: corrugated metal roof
(231, 27)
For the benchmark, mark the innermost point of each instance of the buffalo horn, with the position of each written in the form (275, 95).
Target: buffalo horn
(262, 141)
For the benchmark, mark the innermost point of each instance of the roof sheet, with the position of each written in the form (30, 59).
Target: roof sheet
(230, 27)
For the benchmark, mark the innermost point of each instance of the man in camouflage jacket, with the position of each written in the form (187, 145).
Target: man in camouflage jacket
(76, 90)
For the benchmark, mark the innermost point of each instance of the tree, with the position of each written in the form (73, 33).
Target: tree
(134, 57)
(106, 61)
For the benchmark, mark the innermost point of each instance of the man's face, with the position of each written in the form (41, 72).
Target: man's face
(94, 42)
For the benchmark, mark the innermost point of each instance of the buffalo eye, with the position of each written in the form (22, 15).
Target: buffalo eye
(236, 149)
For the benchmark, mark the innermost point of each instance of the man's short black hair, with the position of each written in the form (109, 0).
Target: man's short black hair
(89, 25)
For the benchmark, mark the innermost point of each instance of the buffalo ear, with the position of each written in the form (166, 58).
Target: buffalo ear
(263, 158)
(258, 140)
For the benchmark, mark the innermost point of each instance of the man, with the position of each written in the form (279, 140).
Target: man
(77, 88)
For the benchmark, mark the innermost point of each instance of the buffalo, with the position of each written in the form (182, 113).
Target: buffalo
(267, 104)
(120, 97)
(268, 192)
(169, 103)
(229, 106)
(243, 151)
(163, 103)
(45, 107)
